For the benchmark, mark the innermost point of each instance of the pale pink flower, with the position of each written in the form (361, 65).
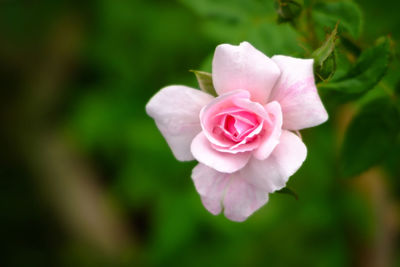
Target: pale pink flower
(243, 138)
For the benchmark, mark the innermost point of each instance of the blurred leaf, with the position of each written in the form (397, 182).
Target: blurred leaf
(222, 9)
(369, 69)
(324, 57)
(370, 136)
(350, 45)
(288, 191)
(234, 21)
(205, 82)
(347, 13)
(287, 10)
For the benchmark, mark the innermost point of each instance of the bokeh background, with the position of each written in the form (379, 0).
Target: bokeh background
(86, 179)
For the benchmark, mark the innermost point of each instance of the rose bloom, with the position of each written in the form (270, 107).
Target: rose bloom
(243, 139)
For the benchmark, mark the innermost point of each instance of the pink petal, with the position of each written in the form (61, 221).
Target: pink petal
(243, 146)
(272, 131)
(220, 161)
(242, 198)
(249, 105)
(235, 127)
(243, 67)
(217, 107)
(273, 173)
(297, 94)
(176, 110)
(211, 186)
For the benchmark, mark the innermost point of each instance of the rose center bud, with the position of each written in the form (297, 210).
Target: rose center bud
(237, 126)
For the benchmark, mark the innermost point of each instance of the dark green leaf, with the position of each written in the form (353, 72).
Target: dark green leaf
(369, 69)
(288, 191)
(205, 82)
(324, 58)
(347, 13)
(370, 136)
(350, 45)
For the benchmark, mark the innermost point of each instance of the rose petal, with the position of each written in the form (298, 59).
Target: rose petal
(273, 173)
(297, 94)
(244, 146)
(220, 161)
(176, 110)
(211, 186)
(242, 198)
(231, 192)
(243, 67)
(272, 133)
(216, 107)
(249, 105)
(236, 127)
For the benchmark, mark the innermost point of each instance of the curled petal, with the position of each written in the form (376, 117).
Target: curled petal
(240, 108)
(176, 110)
(249, 105)
(248, 144)
(244, 67)
(220, 161)
(297, 94)
(218, 106)
(272, 133)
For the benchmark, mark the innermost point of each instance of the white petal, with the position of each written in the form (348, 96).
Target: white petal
(242, 198)
(244, 67)
(211, 186)
(297, 94)
(176, 110)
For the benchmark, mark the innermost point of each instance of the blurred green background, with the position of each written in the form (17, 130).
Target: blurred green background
(88, 180)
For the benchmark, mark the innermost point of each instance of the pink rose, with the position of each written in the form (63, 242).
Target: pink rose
(243, 138)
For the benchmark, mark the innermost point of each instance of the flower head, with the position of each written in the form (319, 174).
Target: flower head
(243, 138)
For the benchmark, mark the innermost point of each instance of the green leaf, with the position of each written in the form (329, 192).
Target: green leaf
(205, 82)
(347, 13)
(324, 58)
(288, 191)
(370, 135)
(369, 69)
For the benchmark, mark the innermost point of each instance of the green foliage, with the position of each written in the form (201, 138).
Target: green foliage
(324, 58)
(226, 21)
(366, 73)
(370, 136)
(287, 10)
(205, 82)
(347, 13)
